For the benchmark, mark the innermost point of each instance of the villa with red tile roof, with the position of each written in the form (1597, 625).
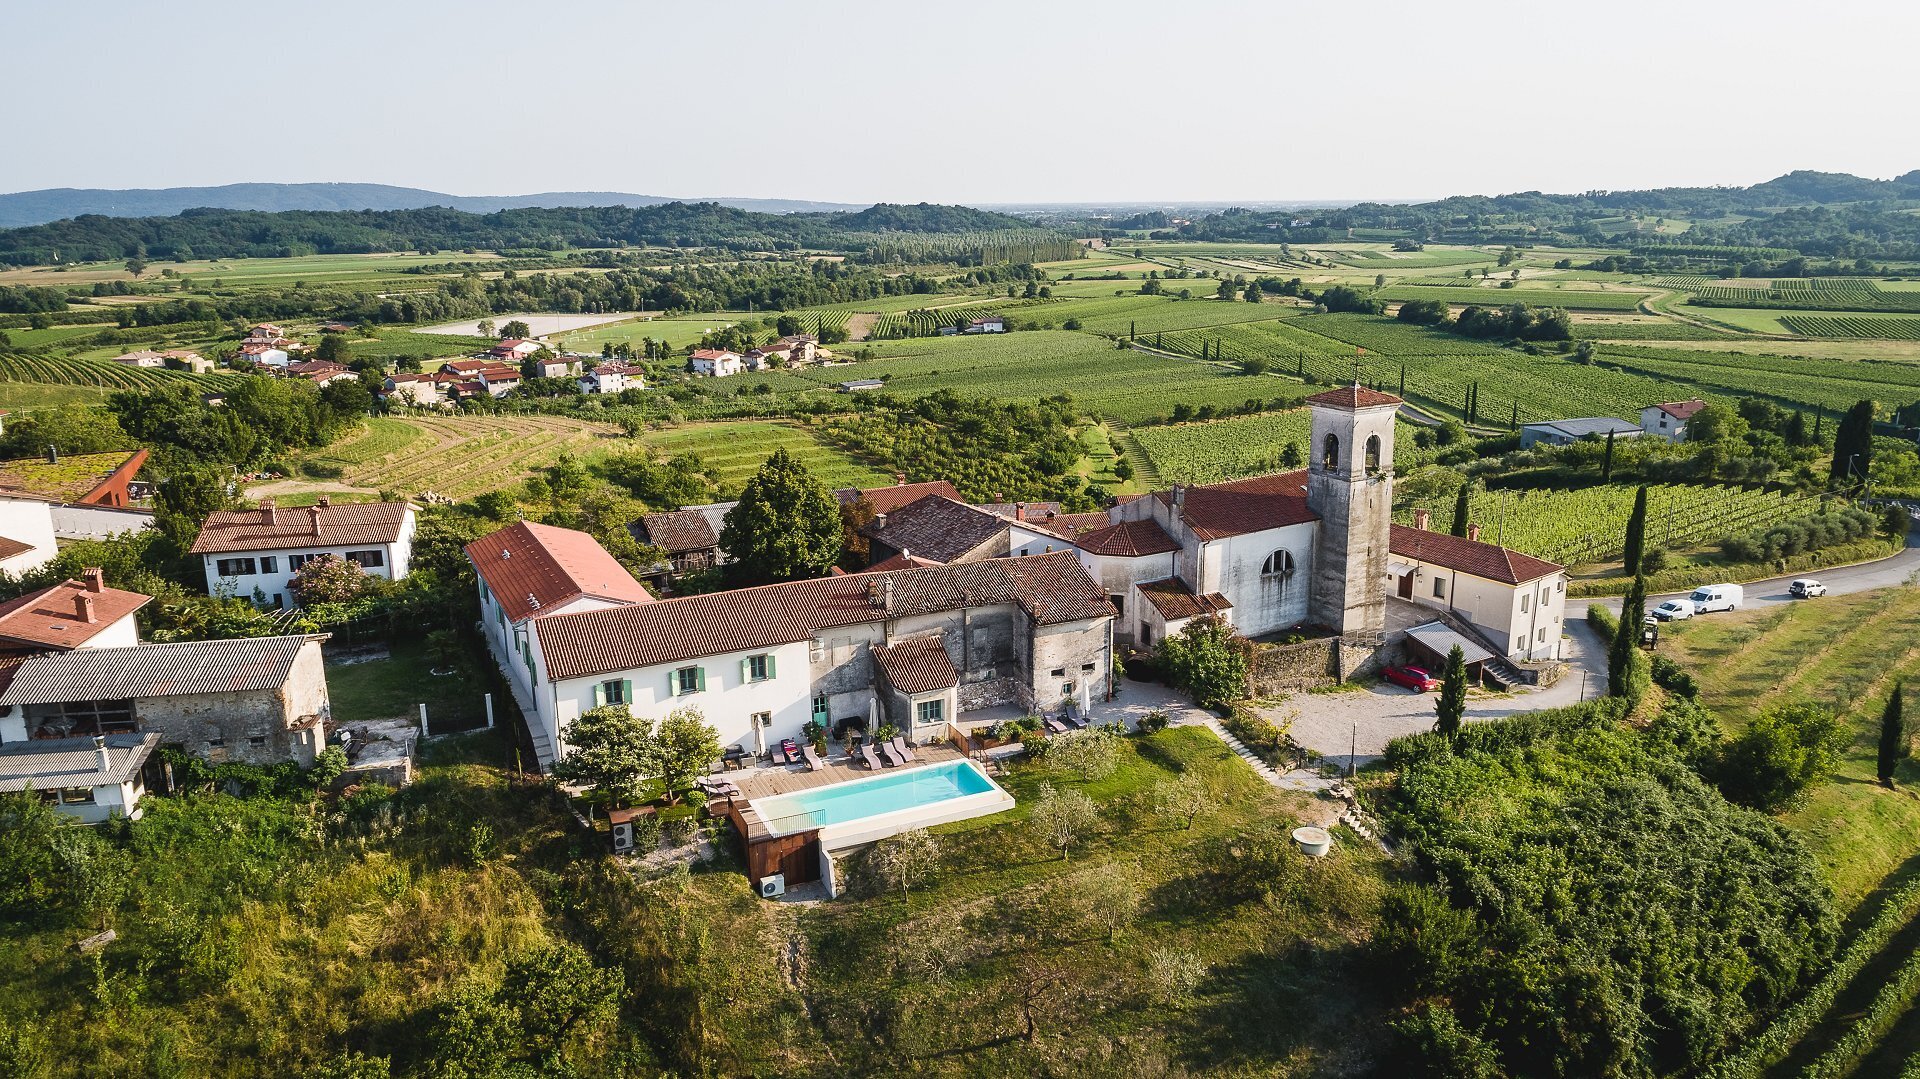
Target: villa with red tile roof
(715, 362)
(1669, 419)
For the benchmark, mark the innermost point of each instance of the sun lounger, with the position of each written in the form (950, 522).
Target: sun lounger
(905, 751)
(1056, 726)
(866, 754)
(780, 755)
(1073, 721)
(888, 754)
(814, 763)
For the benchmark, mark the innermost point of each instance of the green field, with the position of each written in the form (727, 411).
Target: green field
(733, 451)
(1830, 384)
(1240, 446)
(1571, 299)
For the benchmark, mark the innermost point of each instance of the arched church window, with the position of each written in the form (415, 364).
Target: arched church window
(1278, 564)
(1330, 452)
(1373, 454)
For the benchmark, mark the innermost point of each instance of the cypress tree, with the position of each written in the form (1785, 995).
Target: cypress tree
(1626, 667)
(1452, 705)
(1893, 737)
(1636, 544)
(1403, 380)
(1606, 463)
(1514, 423)
(1853, 444)
(1462, 510)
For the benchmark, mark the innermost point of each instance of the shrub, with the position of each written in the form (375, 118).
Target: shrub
(1209, 661)
(1254, 729)
(1154, 722)
(1781, 755)
(1604, 624)
(679, 828)
(1092, 753)
(1671, 677)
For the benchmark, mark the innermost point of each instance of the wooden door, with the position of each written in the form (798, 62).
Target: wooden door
(802, 866)
(1406, 586)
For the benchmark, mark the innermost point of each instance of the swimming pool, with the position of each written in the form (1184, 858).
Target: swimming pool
(863, 810)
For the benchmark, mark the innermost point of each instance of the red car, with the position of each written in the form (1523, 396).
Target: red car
(1414, 678)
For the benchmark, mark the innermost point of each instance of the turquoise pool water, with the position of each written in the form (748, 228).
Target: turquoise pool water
(842, 802)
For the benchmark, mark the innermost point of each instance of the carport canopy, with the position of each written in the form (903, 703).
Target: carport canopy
(1436, 638)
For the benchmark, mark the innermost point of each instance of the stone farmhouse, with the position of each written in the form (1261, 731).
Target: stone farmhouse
(254, 553)
(612, 377)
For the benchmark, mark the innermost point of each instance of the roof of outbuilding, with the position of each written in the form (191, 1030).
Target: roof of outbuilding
(1175, 600)
(339, 526)
(50, 618)
(1582, 426)
(533, 567)
(72, 478)
(887, 499)
(1237, 507)
(937, 528)
(1485, 560)
(157, 670)
(1051, 588)
(73, 762)
(677, 531)
(917, 665)
(1128, 539)
(1355, 396)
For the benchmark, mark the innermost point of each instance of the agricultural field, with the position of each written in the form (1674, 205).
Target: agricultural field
(678, 332)
(62, 371)
(1239, 446)
(733, 451)
(333, 271)
(455, 456)
(1586, 526)
(538, 325)
(1121, 384)
(1814, 382)
(1886, 327)
(1571, 299)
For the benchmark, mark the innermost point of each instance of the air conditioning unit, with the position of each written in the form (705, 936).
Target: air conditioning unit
(773, 886)
(623, 836)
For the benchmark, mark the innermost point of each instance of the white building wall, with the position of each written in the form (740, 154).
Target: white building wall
(27, 520)
(1494, 607)
(396, 556)
(1261, 604)
(729, 701)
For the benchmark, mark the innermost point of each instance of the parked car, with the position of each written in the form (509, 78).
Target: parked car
(1673, 610)
(1717, 597)
(1414, 678)
(1806, 588)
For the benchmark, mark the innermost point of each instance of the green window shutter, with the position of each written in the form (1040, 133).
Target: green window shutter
(770, 668)
(599, 694)
(746, 670)
(673, 683)
(699, 679)
(626, 691)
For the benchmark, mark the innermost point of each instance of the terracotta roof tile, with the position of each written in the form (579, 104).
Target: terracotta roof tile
(899, 561)
(917, 665)
(1493, 562)
(1681, 410)
(1250, 505)
(50, 618)
(12, 547)
(677, 531)
(1175, 601)
(1128, 539)
(887, 499)
(1052, 589)
(1352, 397)
(533, 567)
(339, 526)
(937, 528)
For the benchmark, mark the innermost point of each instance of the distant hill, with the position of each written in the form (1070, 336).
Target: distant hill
(60, 203)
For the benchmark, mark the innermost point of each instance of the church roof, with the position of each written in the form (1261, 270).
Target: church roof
(1355, 396)
(1237, 507)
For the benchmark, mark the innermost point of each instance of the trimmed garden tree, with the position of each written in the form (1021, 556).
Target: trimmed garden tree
(608, 750)
(1627, 674)
(1893, 737)
(684, 747)
(1451, 707)
(786, 527)
(1208, 660)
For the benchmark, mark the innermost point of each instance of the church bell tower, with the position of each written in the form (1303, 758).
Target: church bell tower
(1350, 486)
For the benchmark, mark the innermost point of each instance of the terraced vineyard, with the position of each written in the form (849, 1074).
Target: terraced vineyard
(735, 450)
(1886, 327)
(456, 456)
(1584, 526)
(1571, 299)
(65, 371)
(1228, 449)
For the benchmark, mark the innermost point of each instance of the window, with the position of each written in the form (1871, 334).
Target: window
(689, 680)
(1146, 634)
(1086, 668)
(1067, 690)
(78, 719)
(820, 709)
(1119, 605)
(929, 711)
(234, 567)
(1440, 588)
(76, 796)
(1523, 604)
(756, 668)
(1059, 672)
(614, 691)
(1278, 564)
(1560, 585)
(1330, 452)
(761, 719)
(270, 564)
(1543, 636)
(1372, 458)
(368, 559)
(295, 561)
(1519, 642)
(257, 741)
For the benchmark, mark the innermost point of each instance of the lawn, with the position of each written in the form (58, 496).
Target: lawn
(363, 689)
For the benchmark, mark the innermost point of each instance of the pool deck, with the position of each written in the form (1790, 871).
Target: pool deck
(766, 780)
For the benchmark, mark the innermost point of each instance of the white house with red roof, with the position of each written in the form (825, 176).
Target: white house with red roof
(513, 349)
(1669, 419)
(1515, 600)
(612, 377)
(715, 362)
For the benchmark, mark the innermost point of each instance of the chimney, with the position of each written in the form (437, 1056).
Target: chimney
(95, 578)
(53, 455)
(325, 501)
(1422, 519)
(1019, 511)
(1179, 497)
(1473, 532)
(899, 479)
(886, 590)
(313, 519)
(266, 511)
(104, 759)
(83, 606)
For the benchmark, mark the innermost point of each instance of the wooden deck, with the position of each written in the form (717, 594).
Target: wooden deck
(767, 780)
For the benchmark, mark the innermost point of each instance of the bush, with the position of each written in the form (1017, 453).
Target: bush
(1208, 660)
(1154, 722)
(679, 828)
(1782, 754)
(646, 832)
(1258, 733)
(1669, 676)
(1604, 624)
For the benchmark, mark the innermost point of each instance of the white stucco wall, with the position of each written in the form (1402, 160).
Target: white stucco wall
(729, 701)
(1261, 604)
(1495, 608)
(28, 521)
(396, 556)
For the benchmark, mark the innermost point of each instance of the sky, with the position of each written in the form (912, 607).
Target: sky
(982, 103)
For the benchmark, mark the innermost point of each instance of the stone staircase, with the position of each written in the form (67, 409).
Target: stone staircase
(1498, 670)
(1290, 781)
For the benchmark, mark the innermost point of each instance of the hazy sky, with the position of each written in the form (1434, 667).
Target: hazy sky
(981, 102)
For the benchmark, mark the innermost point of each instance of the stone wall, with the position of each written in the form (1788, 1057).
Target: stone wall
(1290, 668)
(258, 726)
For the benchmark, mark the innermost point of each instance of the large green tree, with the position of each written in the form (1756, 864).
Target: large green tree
(1635, 549)
(786, 527)
(1208, 660)
(684, 747)
(1853, 444)
(609, 750)
(1463, 509)
(1451, 706)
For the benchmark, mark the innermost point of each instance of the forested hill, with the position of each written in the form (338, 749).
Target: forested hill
(1819, 214)
(209, 233)
(58, 203)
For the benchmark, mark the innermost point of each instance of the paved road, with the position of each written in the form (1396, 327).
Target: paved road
(1865, 577)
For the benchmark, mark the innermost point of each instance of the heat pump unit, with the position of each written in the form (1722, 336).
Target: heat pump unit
(623, 836)
(773, 886)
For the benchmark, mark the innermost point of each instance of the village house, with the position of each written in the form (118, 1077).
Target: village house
(513, 350)
(1517, 601)
(319, 372)
(82, 613)
(986, 324)
(715, 362)
(467, 368)
(551, 367)
(499, 380)
(1669, 419)
(254, 553)
(612, 377)
(689, 536)
(89, 779)
(264, 354)
(142, 358)
(1567, 432)
(258, 699)
(885, 500)
(423, 390)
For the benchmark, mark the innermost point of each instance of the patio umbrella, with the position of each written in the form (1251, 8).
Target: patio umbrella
(873, 715)
(1086, 707)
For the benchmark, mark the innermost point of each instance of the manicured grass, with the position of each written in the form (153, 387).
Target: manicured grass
(1844, 652)
(397, 686)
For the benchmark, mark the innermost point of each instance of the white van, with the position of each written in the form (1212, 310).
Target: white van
(1717, 597)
